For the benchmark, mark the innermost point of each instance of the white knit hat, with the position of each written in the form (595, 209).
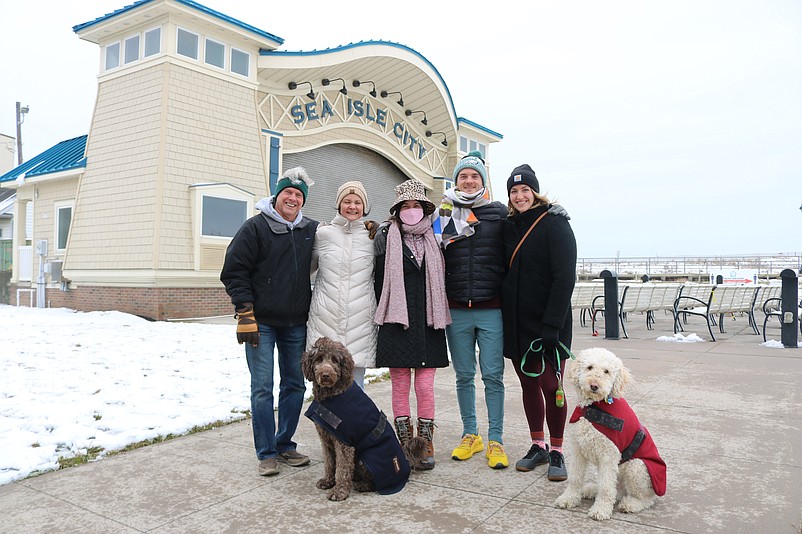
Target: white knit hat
(355, 188)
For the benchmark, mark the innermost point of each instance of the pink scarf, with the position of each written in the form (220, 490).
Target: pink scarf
(392, 307)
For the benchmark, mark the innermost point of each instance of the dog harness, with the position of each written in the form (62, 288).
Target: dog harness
(355, 420)
(619, 423)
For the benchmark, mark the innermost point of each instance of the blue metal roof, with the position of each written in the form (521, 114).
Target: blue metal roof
(188, 3)
(480, 127)
(64, 156)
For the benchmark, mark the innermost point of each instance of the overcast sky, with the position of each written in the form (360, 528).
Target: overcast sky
(670, 128)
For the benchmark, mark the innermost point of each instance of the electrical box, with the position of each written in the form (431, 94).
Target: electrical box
(54, 269)
(41, 247)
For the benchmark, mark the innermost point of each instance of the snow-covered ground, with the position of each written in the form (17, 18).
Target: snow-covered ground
(72, 381)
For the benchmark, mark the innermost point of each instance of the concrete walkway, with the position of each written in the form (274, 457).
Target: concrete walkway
(726, 417)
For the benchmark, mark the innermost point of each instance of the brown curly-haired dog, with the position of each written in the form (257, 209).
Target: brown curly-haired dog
(329, 366)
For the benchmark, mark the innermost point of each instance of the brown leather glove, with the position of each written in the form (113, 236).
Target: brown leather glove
(247, 328)
(371, 226)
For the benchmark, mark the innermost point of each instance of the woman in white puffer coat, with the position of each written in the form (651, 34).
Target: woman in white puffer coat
(343, 299)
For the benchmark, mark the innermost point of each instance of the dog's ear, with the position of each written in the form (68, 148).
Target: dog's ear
(346, 362)
(622, 380)
(572, 370)
(308, 364)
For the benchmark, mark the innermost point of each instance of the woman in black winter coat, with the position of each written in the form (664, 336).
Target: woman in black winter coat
(412, 310)
(536, 309)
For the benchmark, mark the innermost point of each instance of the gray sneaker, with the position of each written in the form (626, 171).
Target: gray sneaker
(268, 466)
(557, 470)
(537, 455)
(293, 458)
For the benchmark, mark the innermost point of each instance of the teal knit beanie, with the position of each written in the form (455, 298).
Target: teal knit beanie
(297, 178)
(472, 160)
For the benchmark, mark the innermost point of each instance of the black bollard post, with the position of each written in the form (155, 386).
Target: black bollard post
(610, 304)
(789, 308)
(644, 278)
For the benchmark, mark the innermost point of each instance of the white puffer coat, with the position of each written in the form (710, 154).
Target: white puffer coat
(343, 300)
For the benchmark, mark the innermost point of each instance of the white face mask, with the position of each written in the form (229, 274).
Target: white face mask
(411, 216)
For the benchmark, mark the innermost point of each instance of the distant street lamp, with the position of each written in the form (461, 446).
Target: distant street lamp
(21, 112)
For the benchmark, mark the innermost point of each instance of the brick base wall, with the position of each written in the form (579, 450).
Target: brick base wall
(150, 302)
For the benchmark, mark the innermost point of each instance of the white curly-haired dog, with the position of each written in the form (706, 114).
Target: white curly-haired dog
(606, 433)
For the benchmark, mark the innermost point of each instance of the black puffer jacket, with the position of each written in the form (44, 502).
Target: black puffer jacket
(475, 266)
(268, 264)
(419, 345)
(538, 286)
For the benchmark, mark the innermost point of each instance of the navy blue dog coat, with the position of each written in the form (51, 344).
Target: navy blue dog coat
(355, 420)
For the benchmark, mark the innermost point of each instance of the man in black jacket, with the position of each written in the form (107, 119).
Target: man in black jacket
(266, 274)
(472, 243)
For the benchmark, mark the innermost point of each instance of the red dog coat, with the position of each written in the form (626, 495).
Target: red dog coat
(619, 423)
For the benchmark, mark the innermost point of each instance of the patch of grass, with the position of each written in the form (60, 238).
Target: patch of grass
(91, 454)
(159, 439)
(98, 417)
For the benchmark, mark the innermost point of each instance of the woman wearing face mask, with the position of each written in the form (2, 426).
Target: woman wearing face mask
(412, 311)
(343, 301)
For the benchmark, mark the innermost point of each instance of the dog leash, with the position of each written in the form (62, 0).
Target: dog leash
(559, 394)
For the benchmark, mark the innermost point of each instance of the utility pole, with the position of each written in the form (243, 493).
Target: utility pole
(21, 112)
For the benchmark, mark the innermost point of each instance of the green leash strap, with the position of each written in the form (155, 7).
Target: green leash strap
(539, 349)
(560, 394)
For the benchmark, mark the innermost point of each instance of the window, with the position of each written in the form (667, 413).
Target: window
(222, 217)
(472, 145)
(239, 61)
(463, 143)
(112, 56)
(483, 150)
(63, 220)
(132, 49)
(215, 53)
(218, 212)
(187, 44)
(153, 40)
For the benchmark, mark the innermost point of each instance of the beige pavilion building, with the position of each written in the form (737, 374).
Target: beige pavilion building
(197, 115)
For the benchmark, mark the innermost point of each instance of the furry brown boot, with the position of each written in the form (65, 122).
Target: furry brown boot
(403, 429)
(426, 431)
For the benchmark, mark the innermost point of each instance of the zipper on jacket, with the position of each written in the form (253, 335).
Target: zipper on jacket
(470, 269)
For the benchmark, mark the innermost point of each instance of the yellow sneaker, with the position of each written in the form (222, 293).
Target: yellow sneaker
(471, 444)
(496, 458)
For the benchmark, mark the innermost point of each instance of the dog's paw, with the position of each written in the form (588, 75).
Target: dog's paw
(589, 490)
(567, 500)
(363, 486)
(325, 483)
(633, 505)
(338, 495)
(600, 512)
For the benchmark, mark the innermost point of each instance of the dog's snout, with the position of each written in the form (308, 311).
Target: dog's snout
(594, 388)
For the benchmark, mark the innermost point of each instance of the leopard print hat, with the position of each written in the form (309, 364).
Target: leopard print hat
(411, 190)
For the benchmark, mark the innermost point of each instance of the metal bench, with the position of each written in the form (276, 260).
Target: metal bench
(723, 299)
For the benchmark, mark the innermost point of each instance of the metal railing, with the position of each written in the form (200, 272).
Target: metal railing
(766, 265)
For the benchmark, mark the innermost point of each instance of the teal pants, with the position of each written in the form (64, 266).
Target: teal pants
(469, 328)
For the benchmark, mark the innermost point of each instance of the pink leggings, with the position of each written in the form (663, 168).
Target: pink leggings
(400, 379)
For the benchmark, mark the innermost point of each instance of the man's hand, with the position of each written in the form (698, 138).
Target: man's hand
(557, 209)
(247, 328)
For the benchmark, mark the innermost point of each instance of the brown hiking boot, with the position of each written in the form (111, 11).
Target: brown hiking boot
(426, 431)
